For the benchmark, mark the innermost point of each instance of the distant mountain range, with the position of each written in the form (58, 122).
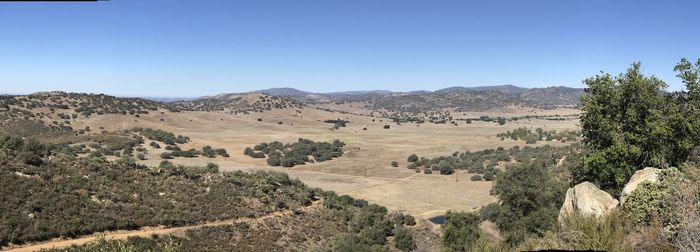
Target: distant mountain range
(459, 98)
(310, 97)
(466, 98)
(505, 89)
(170, 99)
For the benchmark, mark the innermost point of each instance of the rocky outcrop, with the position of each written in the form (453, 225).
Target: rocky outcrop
(586, 199)
(647, 174)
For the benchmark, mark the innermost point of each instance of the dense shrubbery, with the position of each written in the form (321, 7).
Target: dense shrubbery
(116, 145)
(650, 201)
(460, 232)
(288, 155)
(160, 135)
(30, 151)
(530, 196)
(369, 227)
(337, 123)
(67, 196)
(81, 104)
(206, 151)
(237, 105)
(445, 168)
(403, 240)
(342, 224)
(190, 172)
(177, 152)
(531, 137)
(484, 162)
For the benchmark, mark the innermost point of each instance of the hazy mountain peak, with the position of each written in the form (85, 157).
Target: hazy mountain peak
(284, 91)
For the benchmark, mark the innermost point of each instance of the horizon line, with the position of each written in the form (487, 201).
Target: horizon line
(283, 87)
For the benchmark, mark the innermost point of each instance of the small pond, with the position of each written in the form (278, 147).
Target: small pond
(440, 219)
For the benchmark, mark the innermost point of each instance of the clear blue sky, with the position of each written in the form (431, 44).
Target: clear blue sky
(193, 48)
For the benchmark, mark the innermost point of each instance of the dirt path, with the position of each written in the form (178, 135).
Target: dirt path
(409, 177)
(148, 231)
(561, 161)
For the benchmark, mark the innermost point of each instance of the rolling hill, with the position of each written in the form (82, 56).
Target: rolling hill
(462, 98)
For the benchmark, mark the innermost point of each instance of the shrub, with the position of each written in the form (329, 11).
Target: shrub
(460, 231)
(490, 212)
(172, 148)
(221, 152)
(394, 164)
(685, 202)
(576, 232)
(141, 156)
(208, 151)
(409, 220)
(257, 155)
(530, 199)
(650, 201)
(501, 120)
(337, 123)
(426, 171)
(476, 177)
(412, 158)
(287, 161)
(30, 158)
(386, 126)
(446, 168)
(166, 155)
(488, 176)
(403, 240)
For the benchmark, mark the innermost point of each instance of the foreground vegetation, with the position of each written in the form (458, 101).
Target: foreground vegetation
(341, 224)
(629, 123)
(65, 196)
(49, 192)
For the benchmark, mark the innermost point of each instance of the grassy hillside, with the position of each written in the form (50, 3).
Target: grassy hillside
(51, 193)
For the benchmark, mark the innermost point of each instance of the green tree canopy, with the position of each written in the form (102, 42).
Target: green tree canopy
(629, 122)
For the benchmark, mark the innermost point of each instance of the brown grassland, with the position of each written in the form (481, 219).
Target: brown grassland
(364, 171)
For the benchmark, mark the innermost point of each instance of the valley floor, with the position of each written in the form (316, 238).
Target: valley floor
(364, 171)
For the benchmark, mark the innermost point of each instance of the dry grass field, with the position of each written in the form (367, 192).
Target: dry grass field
(364, 170)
